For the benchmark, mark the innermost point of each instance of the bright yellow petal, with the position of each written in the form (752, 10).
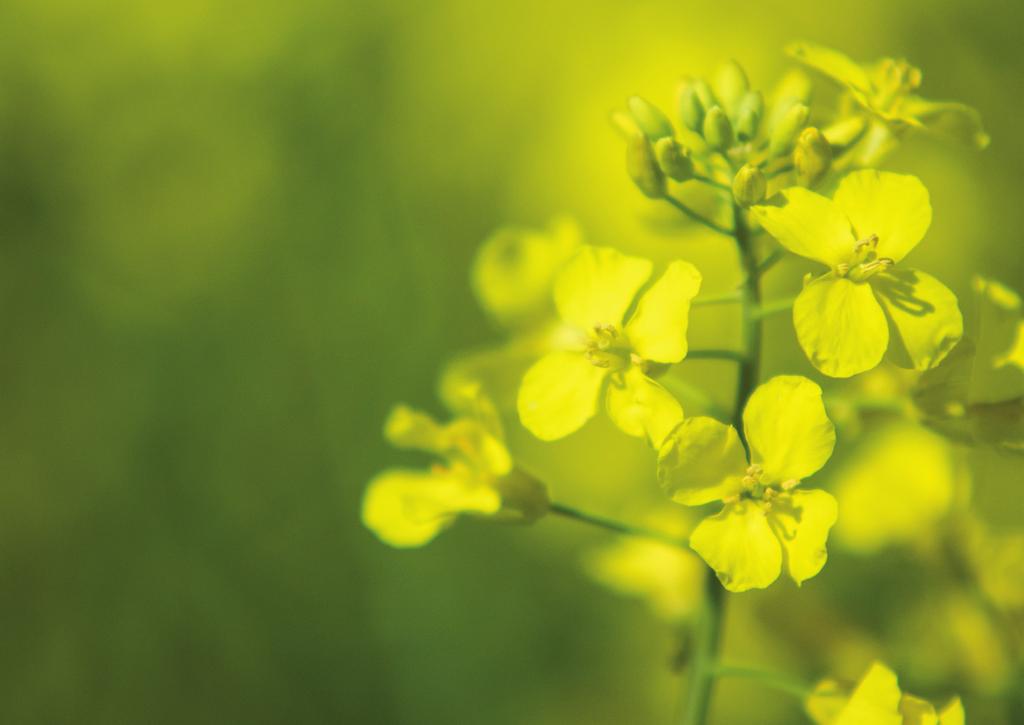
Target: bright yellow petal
(840, 326)
(953, 713)
(739, 545)
(876, 700)
(808, 224)
(825, 702)
(832, 63)
(657, 330)
(789, 434)
(925, 317)
(598, 285)
(641, 407)
(559, 394)
(893, 206)
(802, 521)
(701, 461)
(415, 430)
(916, 711)
(406, 509)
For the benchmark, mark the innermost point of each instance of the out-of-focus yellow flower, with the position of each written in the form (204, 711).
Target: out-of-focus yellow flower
(885, 90)
(846, 319)
(997, 559)
(977, 394)
(475, 475)
(515, 268)
(896, 488)
(765, 522)
(593, 293)
(669, 578)
(877, 700)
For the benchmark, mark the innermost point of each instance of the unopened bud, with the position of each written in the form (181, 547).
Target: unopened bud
(812, 156)
(524, 499)
(673, 159)
(624, 124)
(705, 94)
(717, 129)
(731, 85)
(795, 87)
(643, 168)
(787, 129)
(749, 185)
(650, 119)
(748, 115)
(691, 110)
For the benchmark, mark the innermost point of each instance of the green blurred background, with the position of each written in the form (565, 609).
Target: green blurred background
(232, 234)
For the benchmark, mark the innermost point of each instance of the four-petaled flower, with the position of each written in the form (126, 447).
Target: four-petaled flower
(886, 90)
(475, 475)
(765, 522)
(877, 700)
(593, 294)
(846, 319)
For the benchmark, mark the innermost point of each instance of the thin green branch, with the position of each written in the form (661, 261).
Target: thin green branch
(612, 525)
(692, 394)
(769, 261)
(717, 299)
(774, 307)
(697, 217)
(712, 182)
(775, 680)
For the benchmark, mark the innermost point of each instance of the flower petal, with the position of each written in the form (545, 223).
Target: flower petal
(832, 63)
(893, 206)
(701, 461)
(641, 407)
(952, 713)
(808, 224)
(598, 285)
(559, 394)
(787, 428)
(840, 326)
(739, 545)
(925, 317)
(414, 430)
(802, 521)
(947, 118)
(657, 330)
(406, 509)
(916, 711)
(876, 699)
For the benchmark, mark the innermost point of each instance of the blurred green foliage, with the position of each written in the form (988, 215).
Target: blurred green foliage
(231, 234)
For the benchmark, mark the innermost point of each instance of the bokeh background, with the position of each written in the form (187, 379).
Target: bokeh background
(232, 234)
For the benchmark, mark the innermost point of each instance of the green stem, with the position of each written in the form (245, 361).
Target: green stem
(716, 355)
(692, 394)
(776, 680)
(612, 525)
(712, 182)
(769, 261)
(708, 627)
(718, 299)
(774, 307)
(697, 217)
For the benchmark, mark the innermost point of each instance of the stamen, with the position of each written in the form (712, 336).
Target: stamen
(866, 243)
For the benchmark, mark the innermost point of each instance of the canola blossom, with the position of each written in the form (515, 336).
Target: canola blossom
(474, 475)
(866, 304)
(877, 700)
(765, 522)
(609, 354)
(590, 327)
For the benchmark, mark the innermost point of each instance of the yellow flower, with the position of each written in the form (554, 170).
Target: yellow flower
(896, 489)
(877, 700)
(593, 293)
(475, 475)
(885, 90)
(846, 319)
(765, 522)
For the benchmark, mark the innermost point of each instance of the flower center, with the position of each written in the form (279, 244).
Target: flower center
(866, 262)
(605, 347)
(894, 80)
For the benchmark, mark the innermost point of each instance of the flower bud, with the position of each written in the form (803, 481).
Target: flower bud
(650, 119)
(787, 129)
(749, 185)
(623, 123)
(524, 499)
(731, 85)
(704, 93)
(691, 110)
(643, 168)
(812, 156)
(717, 129)
(748, 115)
(673, 159)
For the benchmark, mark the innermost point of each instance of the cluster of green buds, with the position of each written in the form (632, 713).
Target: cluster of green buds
(725, 127)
